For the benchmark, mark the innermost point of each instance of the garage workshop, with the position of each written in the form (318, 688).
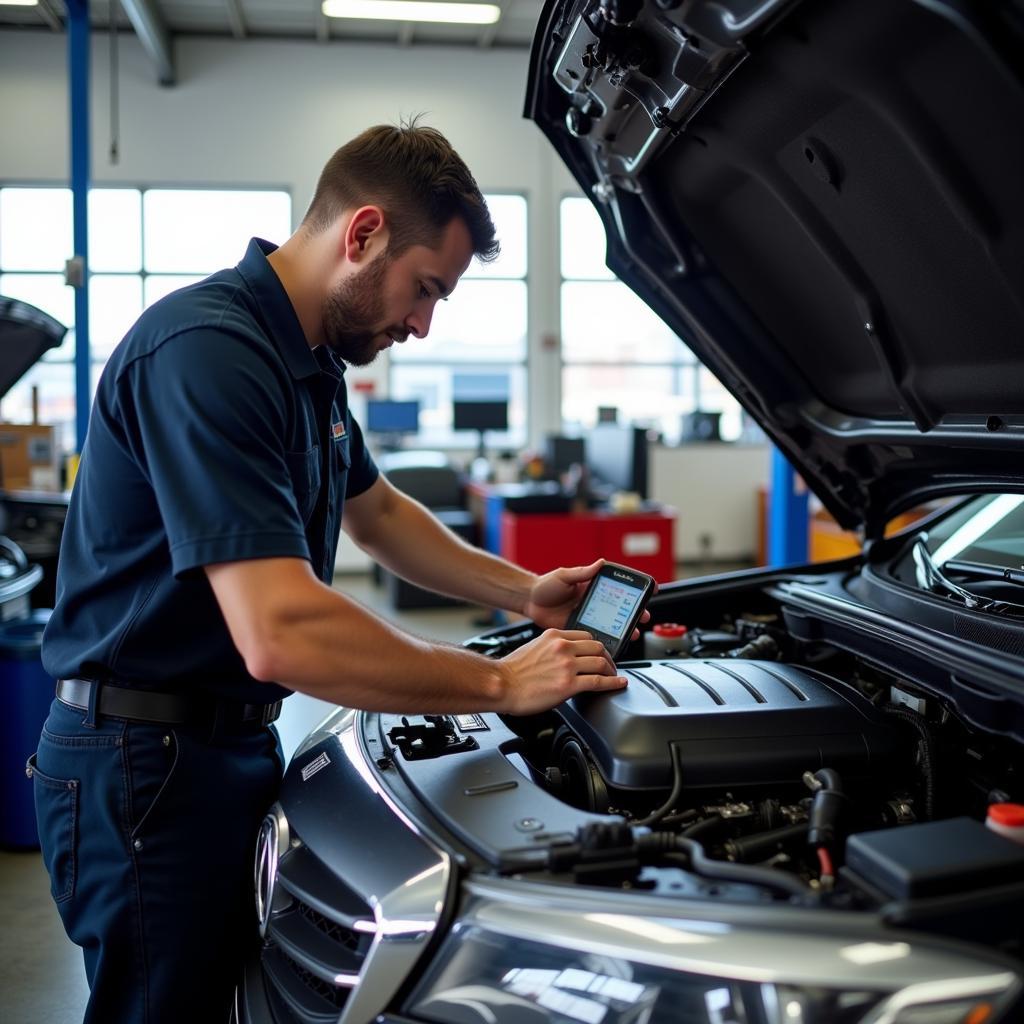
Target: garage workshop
(512, 513)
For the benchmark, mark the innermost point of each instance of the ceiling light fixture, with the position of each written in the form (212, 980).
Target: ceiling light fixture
(413, 10)
(19, 3)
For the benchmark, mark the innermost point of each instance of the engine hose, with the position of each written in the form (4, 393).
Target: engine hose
(708, 824)
(689, 853)
(764, 843)
(826, 806)
(677, 789)
(927, 748)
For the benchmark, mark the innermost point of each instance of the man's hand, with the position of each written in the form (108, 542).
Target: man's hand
(555, 594)
(556, 666)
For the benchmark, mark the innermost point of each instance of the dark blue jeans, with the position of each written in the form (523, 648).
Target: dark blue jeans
(148, 834)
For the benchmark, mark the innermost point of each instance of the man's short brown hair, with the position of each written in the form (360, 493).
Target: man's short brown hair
(415, 176)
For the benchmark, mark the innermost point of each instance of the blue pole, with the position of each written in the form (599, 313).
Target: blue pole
(787, 516)
(78, 91)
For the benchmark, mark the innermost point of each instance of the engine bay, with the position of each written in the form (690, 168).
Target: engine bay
(757, 764)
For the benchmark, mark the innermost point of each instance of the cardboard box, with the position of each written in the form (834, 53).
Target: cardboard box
(29, 457)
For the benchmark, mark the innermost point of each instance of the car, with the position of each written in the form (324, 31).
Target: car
(811, 812)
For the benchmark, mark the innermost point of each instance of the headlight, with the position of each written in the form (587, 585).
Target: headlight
(529, 962)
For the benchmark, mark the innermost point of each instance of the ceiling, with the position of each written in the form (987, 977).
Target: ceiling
(159, 22)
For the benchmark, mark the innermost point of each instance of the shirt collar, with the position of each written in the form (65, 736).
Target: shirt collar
(276, 309)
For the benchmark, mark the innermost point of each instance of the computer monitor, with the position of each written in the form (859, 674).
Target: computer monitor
(479, 415)
(701, 426)
(561, 453)
(388, 416)
(617, 458)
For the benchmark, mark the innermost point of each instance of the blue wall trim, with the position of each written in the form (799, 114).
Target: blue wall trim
(788, 524)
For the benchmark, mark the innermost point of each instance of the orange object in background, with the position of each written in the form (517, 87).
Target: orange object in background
(827, 539)
(29, 457)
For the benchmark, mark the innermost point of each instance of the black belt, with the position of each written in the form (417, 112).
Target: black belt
(165, 708)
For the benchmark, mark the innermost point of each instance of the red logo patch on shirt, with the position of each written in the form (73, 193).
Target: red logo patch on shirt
(338, 431)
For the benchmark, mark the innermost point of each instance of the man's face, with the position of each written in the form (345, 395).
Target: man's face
(392, 297)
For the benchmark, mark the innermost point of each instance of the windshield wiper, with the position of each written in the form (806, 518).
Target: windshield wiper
(984, 571)
(933, 578)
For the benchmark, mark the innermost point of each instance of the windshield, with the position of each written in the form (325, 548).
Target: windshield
(973, 556)
(989, 530)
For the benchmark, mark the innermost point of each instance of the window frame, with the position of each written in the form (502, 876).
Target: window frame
(66, 428)
(686, 371)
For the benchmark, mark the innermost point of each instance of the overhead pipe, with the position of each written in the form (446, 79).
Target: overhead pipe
(156, 40)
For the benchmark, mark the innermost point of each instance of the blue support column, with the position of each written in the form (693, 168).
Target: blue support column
(79, 95)
(787, 515)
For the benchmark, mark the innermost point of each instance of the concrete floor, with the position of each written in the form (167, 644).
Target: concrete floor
(42, 979)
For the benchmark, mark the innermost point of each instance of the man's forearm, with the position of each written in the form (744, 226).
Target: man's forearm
(413, 544)
(339, 652)
(291, 628)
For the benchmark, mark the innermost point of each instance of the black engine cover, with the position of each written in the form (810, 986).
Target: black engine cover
(736, 723)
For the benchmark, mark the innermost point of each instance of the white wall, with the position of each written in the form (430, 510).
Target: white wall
(713, 487)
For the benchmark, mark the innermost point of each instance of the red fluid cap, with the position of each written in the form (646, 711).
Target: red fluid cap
(1011, 815)
(669, 629)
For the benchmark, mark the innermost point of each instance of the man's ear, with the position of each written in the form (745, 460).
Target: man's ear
(365, 235)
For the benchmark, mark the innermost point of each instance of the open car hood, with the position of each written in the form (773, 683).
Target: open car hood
(823, 199)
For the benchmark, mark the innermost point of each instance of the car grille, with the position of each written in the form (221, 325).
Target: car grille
(316, 940)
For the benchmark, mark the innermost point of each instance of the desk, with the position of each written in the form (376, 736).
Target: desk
(542, 541)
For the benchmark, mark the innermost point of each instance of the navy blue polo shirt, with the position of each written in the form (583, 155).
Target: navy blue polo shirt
(216, 435)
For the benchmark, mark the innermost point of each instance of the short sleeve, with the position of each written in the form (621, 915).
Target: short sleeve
(206, 414)
(363, 471)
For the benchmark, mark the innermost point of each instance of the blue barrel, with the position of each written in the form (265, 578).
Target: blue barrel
(27, 694)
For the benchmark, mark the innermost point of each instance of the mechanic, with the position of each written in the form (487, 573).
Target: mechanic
(194, 588)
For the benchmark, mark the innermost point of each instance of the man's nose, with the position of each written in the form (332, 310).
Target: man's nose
(418, 322)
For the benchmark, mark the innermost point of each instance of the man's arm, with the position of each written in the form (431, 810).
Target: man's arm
(292, 629)
(403, 536)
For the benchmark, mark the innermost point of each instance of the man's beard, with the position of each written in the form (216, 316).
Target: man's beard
(353, 314)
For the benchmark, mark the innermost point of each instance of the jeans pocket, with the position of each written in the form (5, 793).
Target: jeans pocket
(56, 802)
(152, 759)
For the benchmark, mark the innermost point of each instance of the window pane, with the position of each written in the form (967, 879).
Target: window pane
(606, 322)
(56, 382)
(193, 230)
(115, 229)
(646, 396)
(483, 320)
(432, 386)
(49, 293)
(115, 303)
(35, 228)
(509, 216)
(583, 241)
(157, 286)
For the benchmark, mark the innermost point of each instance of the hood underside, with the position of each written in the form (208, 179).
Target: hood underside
(823, 199)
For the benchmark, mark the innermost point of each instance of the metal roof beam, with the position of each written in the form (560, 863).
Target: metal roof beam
(152, 32)
(237, 19)
(489, 32)
(323, 24)
(50, 16)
